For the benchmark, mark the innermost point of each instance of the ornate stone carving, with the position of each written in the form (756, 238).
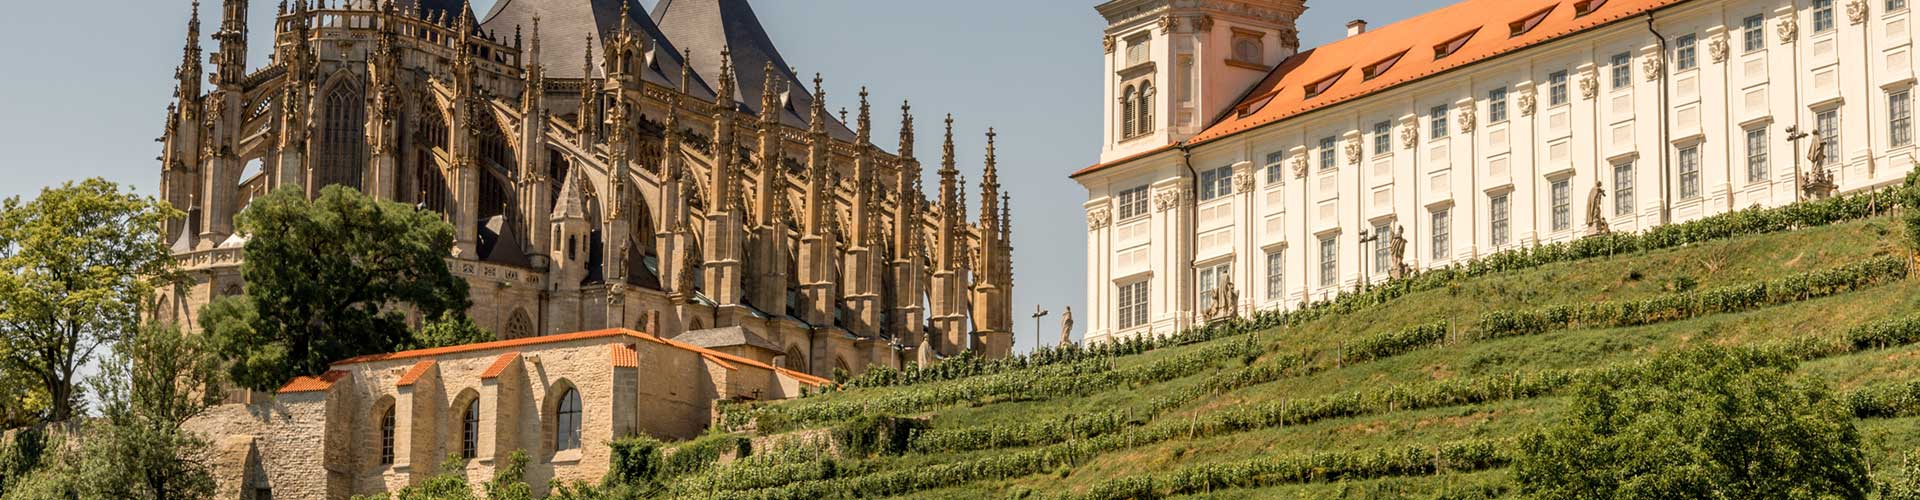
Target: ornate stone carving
(1166, 23)
(1107, 42)
(1098, 219)
(1203, 24)
(1788, 28)
(1289, 37)
(1526, 102)
(1650, 64)
(1353, 151)
(1409, 135)
(1857, 11)
(1589, 84)
(1468, 118)
(1596, 217)
(1299, 164)
(1170, 198)
(1242, 182)
(1717, 48)
(1397, 250)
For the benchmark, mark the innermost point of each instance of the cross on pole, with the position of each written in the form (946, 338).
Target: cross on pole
(1037, 314)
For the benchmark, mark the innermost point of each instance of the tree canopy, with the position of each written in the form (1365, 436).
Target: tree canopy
(330, 279)
(76, 264)
(1706, 422)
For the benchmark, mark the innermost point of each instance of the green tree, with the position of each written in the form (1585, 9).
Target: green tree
(75, 266)
(1705, 422)
(153, 384)
(330, 279)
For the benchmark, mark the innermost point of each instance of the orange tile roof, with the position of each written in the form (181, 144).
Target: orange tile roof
(624, 356)
(1283, 93)
(499, 365)
(413, 374)
(588, 335)
(313, 384)
(723, 363)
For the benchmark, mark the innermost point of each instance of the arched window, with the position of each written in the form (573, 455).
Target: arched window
(470, 430)
(1129, 102)
(566, 430)
(1145, 119)
(386, 436)
(796, 361)
(343, 141)
(519, 325)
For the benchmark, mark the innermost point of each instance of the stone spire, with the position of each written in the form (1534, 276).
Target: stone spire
(231, 62)
(724, 241)
(772, 176)
(819, 194)
(589, 99)
(190, 69)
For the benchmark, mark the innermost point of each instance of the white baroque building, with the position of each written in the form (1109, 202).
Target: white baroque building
(1233, 155)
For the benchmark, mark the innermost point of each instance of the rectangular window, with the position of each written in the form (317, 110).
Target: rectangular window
(1276, 171)
(1216, 183)
(1829, 123)
(1133, 305)
(1689, 172)
(1757, 154)
(1623, 189)
(1438, 118)
(1557, 88)
(1133, 203)
(1502, 215)
(1327, 154)
(1211, 278)
(1382, 248)
(1822, 16)
(1497, 105)
(1754, 33)
(1621, 70)
(1900, 118)
(1442, 234)
(1276, 274)
(1562, 205)
(1896, 5)
(1683, 53)
(1329, 261)
(1382, 138)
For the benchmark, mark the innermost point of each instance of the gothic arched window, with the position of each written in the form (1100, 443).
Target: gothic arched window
(386, 436)
(470, 430)
(1145, 119)
(566, 430)
(795, 360)
(343, 140)
(1129, 101)
(519, 326)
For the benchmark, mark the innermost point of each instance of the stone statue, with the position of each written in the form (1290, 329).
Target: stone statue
(1820, 184)
(1231, 307)
(1066, 327)
(1596, 217)
(1398, 248)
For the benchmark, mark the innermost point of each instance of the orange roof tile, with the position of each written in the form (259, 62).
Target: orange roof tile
(1492, 23)
(313, 384)
(499, 365)
(624, 356)
(413, 374)
(723, 363)
(554, 339)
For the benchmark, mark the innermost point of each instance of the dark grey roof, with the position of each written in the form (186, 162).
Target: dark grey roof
(707, 26)
(431, 8)
(565, 24)
(731, 336)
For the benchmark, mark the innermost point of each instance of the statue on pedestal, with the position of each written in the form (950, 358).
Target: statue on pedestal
(1397, 247)
(1596, 218)
(1066, 328)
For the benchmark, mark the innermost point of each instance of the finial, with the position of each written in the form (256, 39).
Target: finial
(587, 59)
(686, 70)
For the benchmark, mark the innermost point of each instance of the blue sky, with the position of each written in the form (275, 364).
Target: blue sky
(88, 83)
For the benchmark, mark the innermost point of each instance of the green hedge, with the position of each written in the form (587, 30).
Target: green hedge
(1293, 468)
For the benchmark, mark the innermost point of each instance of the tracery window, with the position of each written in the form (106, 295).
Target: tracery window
(343, 139)
(519, 325)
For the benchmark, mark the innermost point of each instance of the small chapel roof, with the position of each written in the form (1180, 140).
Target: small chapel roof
(1412, 50)
(565, 24)
(708, 26)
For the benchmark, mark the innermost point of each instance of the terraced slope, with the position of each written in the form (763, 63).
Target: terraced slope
(1415, 390)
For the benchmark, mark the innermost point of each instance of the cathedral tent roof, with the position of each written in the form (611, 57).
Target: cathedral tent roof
(450, 8)
(1404, 52)
(707, 26)
(565, 24)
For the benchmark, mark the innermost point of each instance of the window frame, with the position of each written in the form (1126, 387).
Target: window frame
(388, 426)
(1442, 234)
(1276, 274)
(1330, 261)
(1759, 160)
(1437, 122)
(1500, 219)
(1216, 183)
(1753, 33)
(1276, 168)
(1383, 138)
(1497, 105)
(1329, 153)
(1829, 132)
(1382, 249)
(567, 421)
(1900, 117)
(1131, 203)
(1620, 68)
(1623, 181)
(1686, 55)
(1688, 159)
(470, 430)
(1132, 313)
(1821, 16)
(1562, 204)
(1557, 94)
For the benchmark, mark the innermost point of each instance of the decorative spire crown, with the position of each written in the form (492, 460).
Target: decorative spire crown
(906, 130)
(866, 119)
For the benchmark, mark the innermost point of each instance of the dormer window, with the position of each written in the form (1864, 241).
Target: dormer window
(1584, 7)
(1378, 68)
(1320, 87)
(1522, 26)
(1453, 45)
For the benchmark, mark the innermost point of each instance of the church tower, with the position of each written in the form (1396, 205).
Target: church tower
(1174, 66)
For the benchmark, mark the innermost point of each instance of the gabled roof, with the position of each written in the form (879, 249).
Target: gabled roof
(565, 24)
(707, 26)
(1282, 94)
(313, 384)
(307, 383)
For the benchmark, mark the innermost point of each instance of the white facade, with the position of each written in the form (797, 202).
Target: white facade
(1489, 156)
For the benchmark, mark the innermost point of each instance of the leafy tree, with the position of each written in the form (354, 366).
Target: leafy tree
(154, 383)
(1706, 422)
(75, 265)
(329, 279)
(450, 329)
(509, 483)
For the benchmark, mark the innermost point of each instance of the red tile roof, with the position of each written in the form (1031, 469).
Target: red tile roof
(554, 339)
(624, 356)
(499, 366)
(313, 384)
(1283, 93)
(413, 374)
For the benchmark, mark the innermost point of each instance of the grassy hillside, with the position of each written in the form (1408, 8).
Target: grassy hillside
(1417, 389)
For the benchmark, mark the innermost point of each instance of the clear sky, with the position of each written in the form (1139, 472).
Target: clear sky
(88, 82)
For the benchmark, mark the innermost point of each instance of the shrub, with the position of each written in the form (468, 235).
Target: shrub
(871, 435)
(634, 461)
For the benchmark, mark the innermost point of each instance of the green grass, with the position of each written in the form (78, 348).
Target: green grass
(1634, 276)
